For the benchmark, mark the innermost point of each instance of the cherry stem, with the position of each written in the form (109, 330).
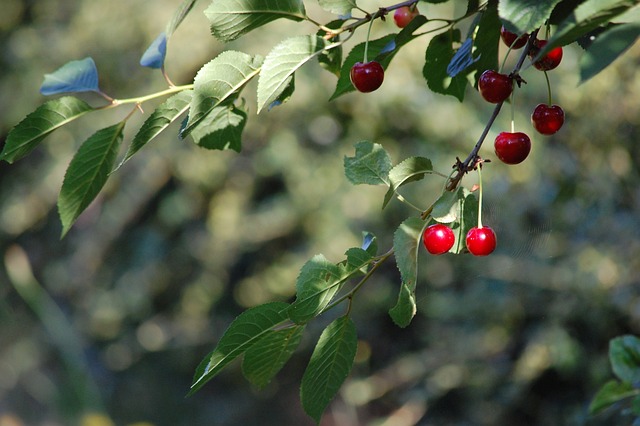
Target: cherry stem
(366, 44)
(550, 100)
(480, 195)
(513, 112)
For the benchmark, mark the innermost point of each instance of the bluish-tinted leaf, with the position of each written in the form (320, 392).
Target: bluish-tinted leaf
(606, 48)
(247, 329)
(178, 16)
(611, 393)
(462, 59)
(437, 59)
(318, 282)
(330, 364)
(27, 134)
(230, 19)
(369, 243)
(370, 165)
(339, 7)
(154, 56)
(410, 170)
(624, 354)
(524, 16)
(87, 173)
(219, 82)
(159, 120)
(221, 129)
(74, 76)
(282, 62)
(270, 353)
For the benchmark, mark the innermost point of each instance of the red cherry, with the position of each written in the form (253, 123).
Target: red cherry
(404, 15)
(512, 148)
(481, 241)
(513, 40)
(550, 60)
(438, 238)
(495, 87)
(547, 119)
(367, 77)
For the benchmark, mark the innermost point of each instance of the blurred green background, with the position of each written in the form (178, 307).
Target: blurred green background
(107, 326)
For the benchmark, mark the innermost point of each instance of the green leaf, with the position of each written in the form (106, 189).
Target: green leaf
(611, 393)
(437, 59)
(330, 364)
(331, 59)
(74, 76)
(356, 262)
(370, 165)
(446, 209)
(269, 354)
(87, 173)
(486, 41)
(410, 170)
(219, 82)
(624, 354)
(178, 16)
(280, 64)
(339, 7)
(318, 282)
(221, 129)
(524, 16)
(159, 120)
(406, 241)
(585, 18)
(606, 48)
(230, 19)
(247, 329)
(51, 115)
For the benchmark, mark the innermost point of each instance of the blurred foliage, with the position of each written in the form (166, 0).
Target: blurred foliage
(107, 326)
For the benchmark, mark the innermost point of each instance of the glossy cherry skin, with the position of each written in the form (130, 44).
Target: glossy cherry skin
(481, 241)
(547, 119)
(438, 238)
(495, 87)
(512, 148)
(404, 15)
(512, 40)
(550, 61)
(367, 77)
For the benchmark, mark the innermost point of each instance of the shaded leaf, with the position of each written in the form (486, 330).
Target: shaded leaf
(87, 173)
(524, 16)
(154, 56)
(51, 115)
(369, 243)
(606, 48)
(331, 59)
(462, 59)
(338, 7)
(370, 165)
(74, 76)
(286, 93)
(624, 354)
(280, 64)
(330, 364)
(356, 262)
(486, 41)
(318, 282)
(247, 329)
(178, 16)
(270, 353)
(611, 393)
(218, 83)
(231, 19)
(410, 170)
(221, 129)
(437, 59)
(405, 308)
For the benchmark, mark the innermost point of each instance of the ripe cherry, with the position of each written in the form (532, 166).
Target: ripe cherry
(550, 60)
(495, 87)
(512, 148)
(404, 15)
(438, 238)
(367, 77)
(481, 241)
(512, 40)
(547, 119)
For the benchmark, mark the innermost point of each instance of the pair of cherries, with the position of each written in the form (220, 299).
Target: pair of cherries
(439, 238)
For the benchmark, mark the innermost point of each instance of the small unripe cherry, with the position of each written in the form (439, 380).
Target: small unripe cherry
(404, 15)
(513, 40)
(367, 77)
(547, 119)
(512, 148)
(495, 87)
(481, 241)
(549, 61)
(438, 238)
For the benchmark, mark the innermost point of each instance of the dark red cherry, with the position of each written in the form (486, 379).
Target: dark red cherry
(512, 148)
(438, 238)
(495, 87)
(481, 241)
(547, 119)
(512, 40)
(548, 62)
(367, 77)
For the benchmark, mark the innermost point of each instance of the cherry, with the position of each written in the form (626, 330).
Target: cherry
(495, 87)
(550, 60)
(404, 15)
(367, 77)
(513, 40)
(512, 148)
(547, 119)
(438, 238)
(481, 241)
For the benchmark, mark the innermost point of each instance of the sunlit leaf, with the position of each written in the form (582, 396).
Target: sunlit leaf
(339, 7)
(318, 282)
(606, 48)
(74, 76)
(230, 19)
(611, 393)
(154, 56)
(357, 261)
(624, 354)
(410, 170)
(87, 173)
(370, 165)
(219, 82)
(437, 59)
(247, 329)
(27, 134)
(270, 353)
(524, 16)
(330, 364)
(221, 129)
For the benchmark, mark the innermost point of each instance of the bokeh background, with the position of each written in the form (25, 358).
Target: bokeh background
(106, 326)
